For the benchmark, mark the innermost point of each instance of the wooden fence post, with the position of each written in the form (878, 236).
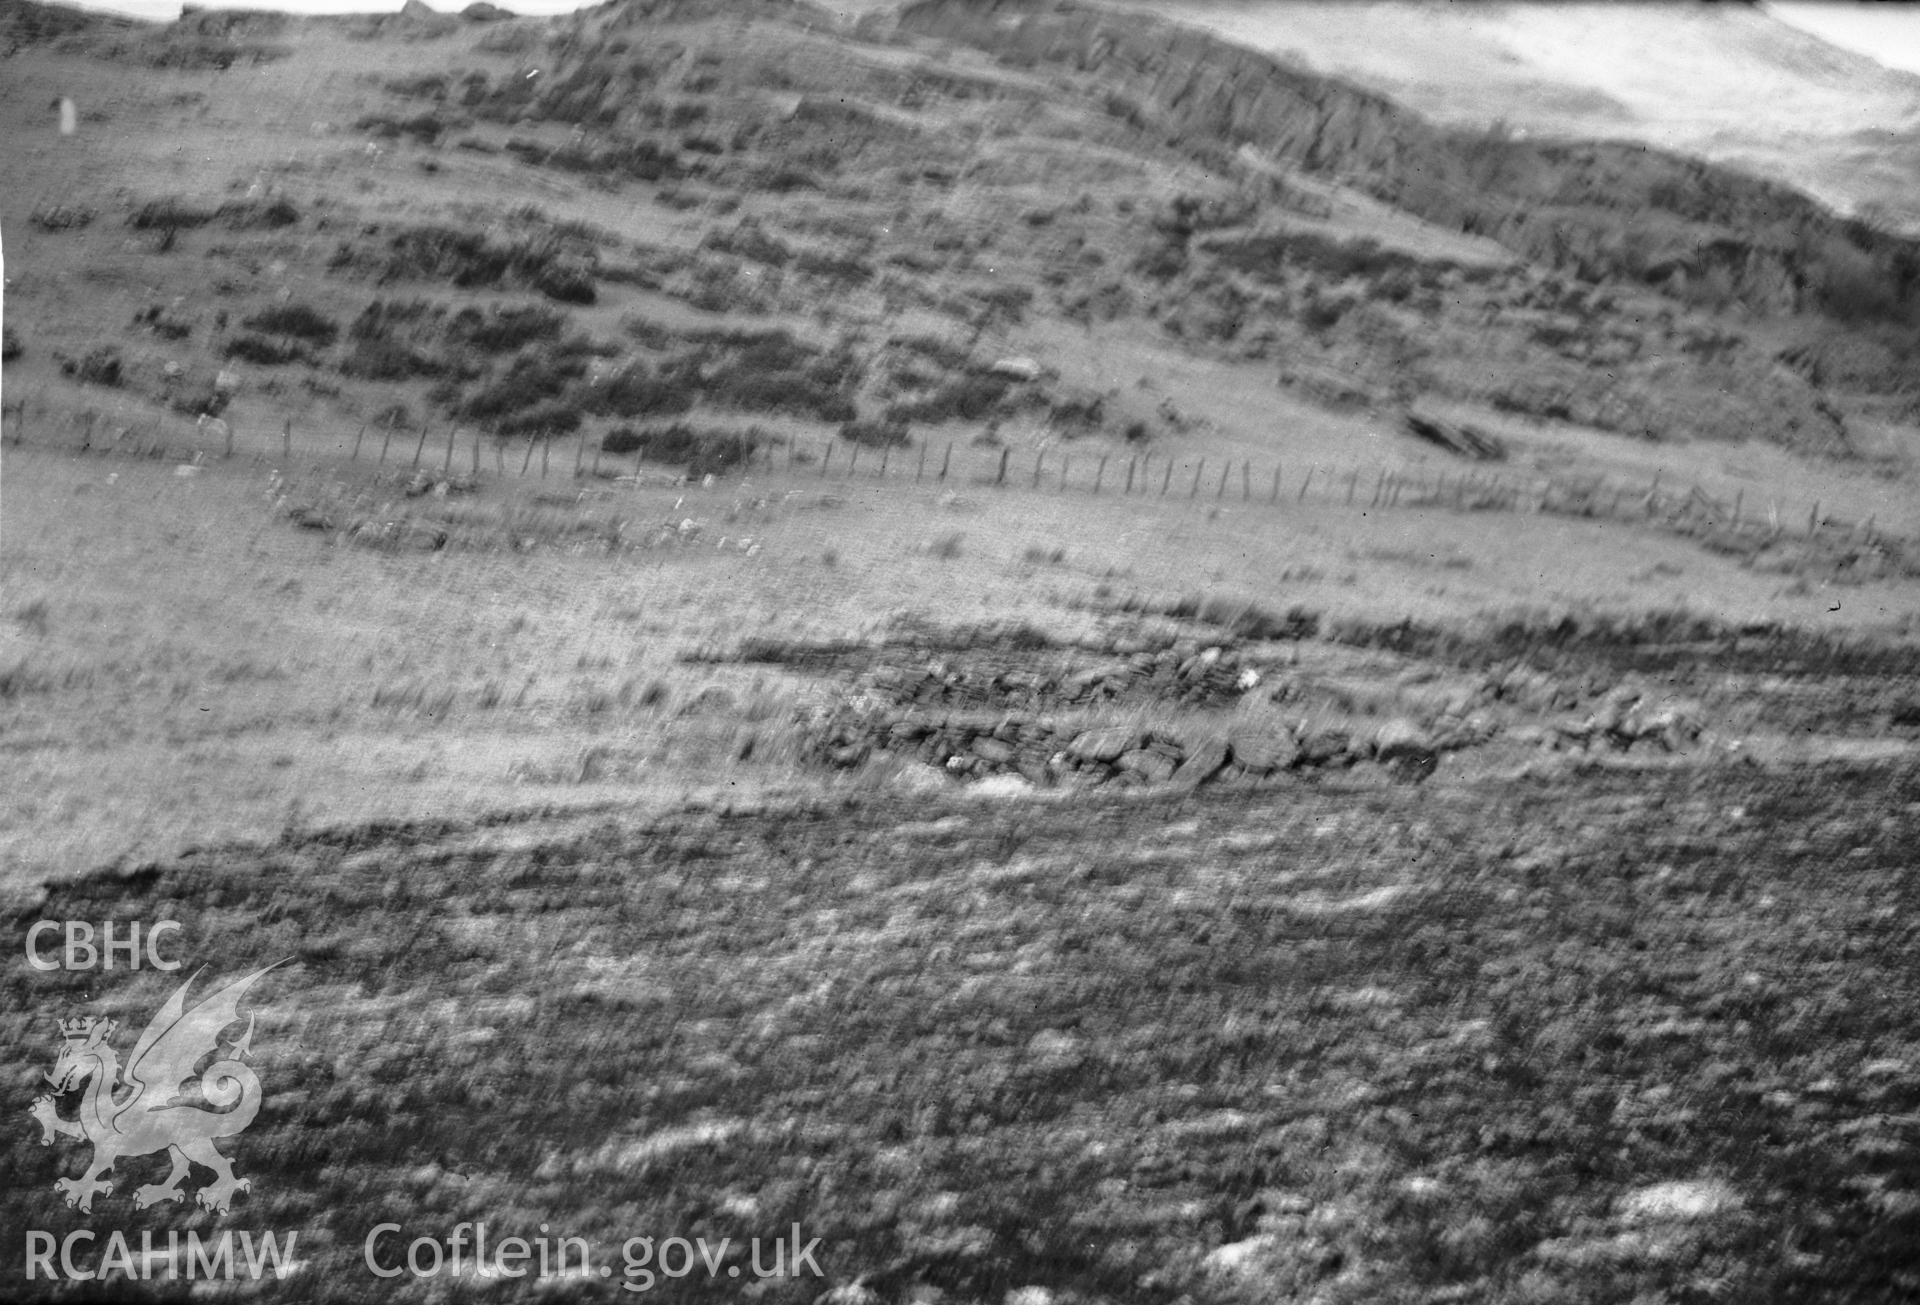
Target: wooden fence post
(1100, 473)
(1129, 488)
(1353, 478)
(229, 453)
(1379, 487)
(826, 457)
(1195, 487)
(388, 440)
(1274, 497)
(1739, 497)
(1166, 478)
(476, 455)
(946, 460)
(1303, 485)
(921, 466)
(420, 447)
(1001, 477)
(1813, 519)
(499, 455)
(579, 452)
(446, 463)
(885, 451)
(356, 442)
(286, 440)
(1221, 491)
(1066, 465)
(853, 460)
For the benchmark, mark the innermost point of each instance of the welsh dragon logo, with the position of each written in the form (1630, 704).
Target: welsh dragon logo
(137, 1110)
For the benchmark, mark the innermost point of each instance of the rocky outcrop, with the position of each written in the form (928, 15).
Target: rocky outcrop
(1597, 209)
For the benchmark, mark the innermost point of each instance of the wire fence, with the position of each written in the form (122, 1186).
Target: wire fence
(451, 451)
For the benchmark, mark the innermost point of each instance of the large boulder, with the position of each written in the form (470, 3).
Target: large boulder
(1147, 764)
(1204, 759)
(1103, 745)
(1405, 749)
(1262, 751)
(996, 752)
(1400, 738)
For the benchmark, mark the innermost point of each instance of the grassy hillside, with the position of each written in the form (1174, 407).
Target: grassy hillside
(1098, 668)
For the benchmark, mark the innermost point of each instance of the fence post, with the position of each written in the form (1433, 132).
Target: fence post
(1198, 468)
(579, 452)
(546, 448)
(1100, 473)
(229, 441)
(885, 451)
(1275, 496)
(1379, 487)
(826, 457)
(286, 440)
(1130, 462)
(1066, 465)
(1739, 497)
(476, 455)
(946, 460)
(419, 448)
(1001, 477)
(1036, 468)
(389, 438)
(356, 442)
(1303, 485)
(1813, 519)
(921, 466)
(446, 463)
(1221, 490)
(1353, 478)
(853, 460)
(528, 460)
(499, 455)
(1167, 478)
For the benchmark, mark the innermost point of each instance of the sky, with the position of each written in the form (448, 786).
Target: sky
(1887, 32)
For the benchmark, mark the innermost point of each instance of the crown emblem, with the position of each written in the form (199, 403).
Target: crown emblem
(84, 1028)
